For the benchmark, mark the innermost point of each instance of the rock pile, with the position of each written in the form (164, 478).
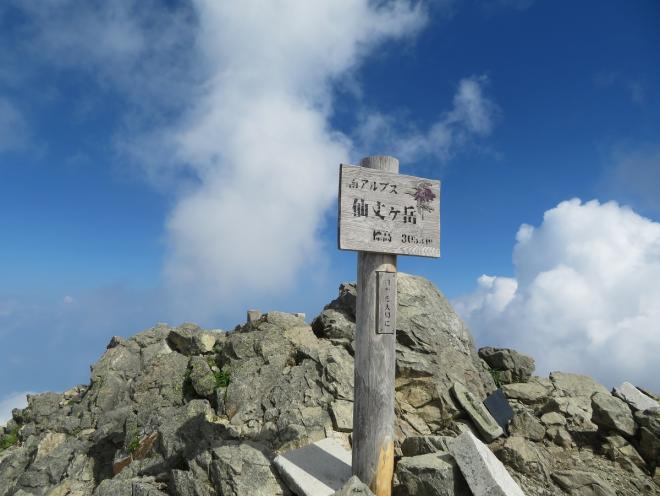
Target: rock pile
(191, 412)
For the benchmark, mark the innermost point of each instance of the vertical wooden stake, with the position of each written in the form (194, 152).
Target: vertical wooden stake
(373, 410)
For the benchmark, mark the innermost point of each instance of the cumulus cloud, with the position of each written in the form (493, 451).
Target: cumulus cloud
(585, 296)
(11, 401)
(259, 141)
(472, 115)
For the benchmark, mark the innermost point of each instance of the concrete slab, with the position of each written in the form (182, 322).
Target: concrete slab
(480, 416)
(318, 469)
(634, 397)
(484, 473)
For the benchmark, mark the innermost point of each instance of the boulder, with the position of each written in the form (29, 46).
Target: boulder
(508, 365)
(610, 412)
(432, 474)
(528, 426)
(634, 397)
(524, 457)
(190, 339)
(201, 376)
(483, 472)
(649, 438)
(526, 392)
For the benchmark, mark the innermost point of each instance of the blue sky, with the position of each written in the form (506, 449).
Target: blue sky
(177, 161)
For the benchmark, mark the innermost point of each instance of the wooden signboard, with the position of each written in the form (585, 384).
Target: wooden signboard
(385, 212)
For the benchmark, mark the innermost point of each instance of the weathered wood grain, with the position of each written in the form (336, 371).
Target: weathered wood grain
(383, 212)
(373, 410)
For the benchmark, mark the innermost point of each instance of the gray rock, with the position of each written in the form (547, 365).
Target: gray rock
(526, 392)
(190, 339)
(634, 397)
(483, 472)
(253, 316)
(523, 456)
(618, 449)
(242, 469)
(201, 376)
(575, 385)
(421, 445)
(184, 483)
(133, 487)
(354, 487)
(478, 413)
(610, 412)
(510, 365)
(342, 415)
(527, 425)
(649, 439)
(579, 483)
(432, 474)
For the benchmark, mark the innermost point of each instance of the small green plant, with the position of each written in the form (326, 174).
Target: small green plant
(497, 376)
(9, 439)
(134, 444)
(222, 378)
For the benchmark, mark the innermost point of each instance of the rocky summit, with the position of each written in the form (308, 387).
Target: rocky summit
(192, 412)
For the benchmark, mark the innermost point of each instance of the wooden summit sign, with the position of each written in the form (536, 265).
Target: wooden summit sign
(382, 214)
(385, 212)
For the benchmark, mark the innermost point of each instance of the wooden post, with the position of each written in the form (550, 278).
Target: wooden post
(373, 409)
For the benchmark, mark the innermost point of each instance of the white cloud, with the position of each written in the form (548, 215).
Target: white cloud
(585, 297)
(230, 107)
(258, 140)
(13, 128)
(11, 401)
(472, 115)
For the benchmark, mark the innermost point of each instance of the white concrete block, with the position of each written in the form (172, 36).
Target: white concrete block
(318, 469)
(634, 397)
(483, 472)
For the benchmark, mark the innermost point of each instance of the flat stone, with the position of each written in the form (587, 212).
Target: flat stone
(342, 415)
(634, 397)
(553, 418)
(483, 420)
(525, 392)
(612, 413)
(318, 469)
(499, 408)
(484, 473)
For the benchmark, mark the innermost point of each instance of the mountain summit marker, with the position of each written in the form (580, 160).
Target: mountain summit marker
(381, 214)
